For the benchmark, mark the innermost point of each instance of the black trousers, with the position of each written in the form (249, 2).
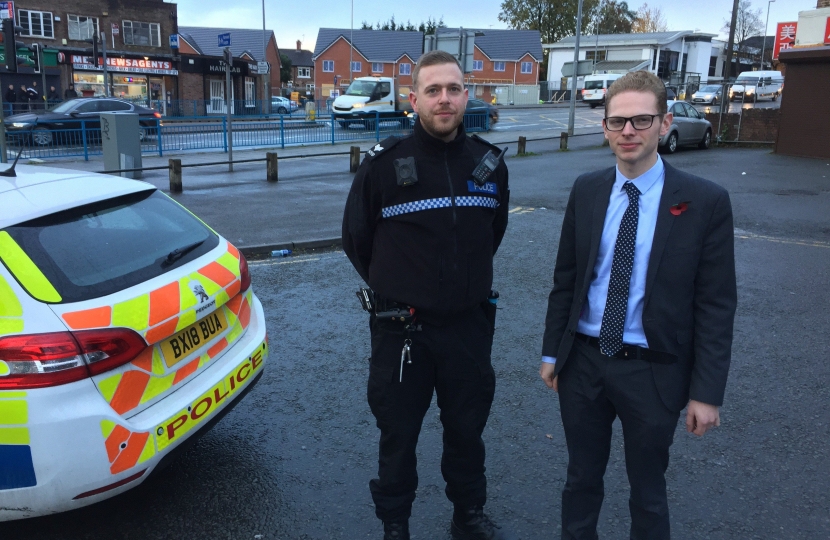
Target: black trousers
(593, 390)
(453, 360)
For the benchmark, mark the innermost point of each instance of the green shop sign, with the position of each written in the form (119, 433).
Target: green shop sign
(25, 57)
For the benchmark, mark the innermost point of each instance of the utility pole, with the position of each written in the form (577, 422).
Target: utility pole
(266, 101)
(764, 43)
(572, 112)
(731, 43)
(107, 90)
(228, 103)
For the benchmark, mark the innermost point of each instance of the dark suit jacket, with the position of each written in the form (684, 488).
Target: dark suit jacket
(690, 295)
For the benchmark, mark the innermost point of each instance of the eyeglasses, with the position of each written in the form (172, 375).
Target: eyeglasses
(639, 122)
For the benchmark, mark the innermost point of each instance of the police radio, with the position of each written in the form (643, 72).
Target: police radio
(486, 166)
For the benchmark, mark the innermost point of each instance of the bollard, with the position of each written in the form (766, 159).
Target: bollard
(271, 164)
(354, 158)
(522, 146)
(563, 140)
(175, 175)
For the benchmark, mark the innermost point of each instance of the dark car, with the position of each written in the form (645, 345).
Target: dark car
(61, 122)
(475, 115)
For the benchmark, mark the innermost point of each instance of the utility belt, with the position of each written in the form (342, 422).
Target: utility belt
(383, 308)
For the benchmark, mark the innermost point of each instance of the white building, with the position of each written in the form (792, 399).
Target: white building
(676, 57)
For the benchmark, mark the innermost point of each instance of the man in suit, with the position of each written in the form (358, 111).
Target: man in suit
(639, 321)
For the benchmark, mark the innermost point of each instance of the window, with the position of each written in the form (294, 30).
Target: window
(406, 69)
(303, 73)
(309, 87)
(36, 23)
(597, 56)
(377, 67)
(328, 66)
(357, 66)
(478, 65)
(82, 27)
(141, 33)
(498, 66)
(250, 92)
(527, 67)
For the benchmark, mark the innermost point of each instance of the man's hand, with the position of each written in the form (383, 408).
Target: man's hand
(546, 372)
(700, 417)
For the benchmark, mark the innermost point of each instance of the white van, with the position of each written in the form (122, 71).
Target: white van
(750, 86)
(595, 88)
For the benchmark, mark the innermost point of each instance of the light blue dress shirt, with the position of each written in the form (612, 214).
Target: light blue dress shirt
(650, 185)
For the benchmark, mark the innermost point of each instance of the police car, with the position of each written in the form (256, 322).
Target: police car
(127, 328)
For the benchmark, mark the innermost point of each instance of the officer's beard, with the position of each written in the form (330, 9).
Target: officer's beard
(441, 130)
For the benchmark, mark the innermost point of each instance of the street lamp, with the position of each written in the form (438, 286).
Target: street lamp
(764, 43)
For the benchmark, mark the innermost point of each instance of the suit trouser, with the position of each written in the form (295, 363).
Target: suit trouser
(453, 360)
(593, 390)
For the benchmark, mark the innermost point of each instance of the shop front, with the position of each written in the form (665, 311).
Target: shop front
(244, 90)
(148, 81)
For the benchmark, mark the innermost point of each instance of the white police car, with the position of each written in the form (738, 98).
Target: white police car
(127, 327)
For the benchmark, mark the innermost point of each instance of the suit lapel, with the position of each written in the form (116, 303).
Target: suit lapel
(603, 194)
(672, 194)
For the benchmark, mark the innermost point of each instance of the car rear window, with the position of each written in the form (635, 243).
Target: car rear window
(101, 248)
(593, 85)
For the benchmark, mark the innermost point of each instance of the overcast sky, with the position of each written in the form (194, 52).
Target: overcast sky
(301, 19)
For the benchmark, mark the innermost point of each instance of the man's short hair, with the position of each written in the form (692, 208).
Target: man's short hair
(433, 58)
(639, 81)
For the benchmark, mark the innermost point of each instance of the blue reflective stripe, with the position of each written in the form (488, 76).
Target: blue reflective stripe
(442, 202)
(16, 467)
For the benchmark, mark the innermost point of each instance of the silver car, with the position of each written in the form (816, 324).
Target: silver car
(688, 127)
(710, 94)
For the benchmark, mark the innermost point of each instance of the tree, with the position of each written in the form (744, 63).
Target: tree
(427, 27)
(612, 17)
(649, 20)
(285, 69)
(747, 24)
(554, 19)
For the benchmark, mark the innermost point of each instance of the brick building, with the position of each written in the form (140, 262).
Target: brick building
(302, 71)
(380, 53)
(140, 63)
(505, 65)
(203, 70)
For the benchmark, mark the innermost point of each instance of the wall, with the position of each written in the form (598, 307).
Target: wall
(811, 25)
(625, 54)
(699, 53)
(805, 120)
(756, 125)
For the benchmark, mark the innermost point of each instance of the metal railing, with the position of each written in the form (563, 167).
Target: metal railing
(160, 137)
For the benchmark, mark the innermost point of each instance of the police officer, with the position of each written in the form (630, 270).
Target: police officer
(422, 232)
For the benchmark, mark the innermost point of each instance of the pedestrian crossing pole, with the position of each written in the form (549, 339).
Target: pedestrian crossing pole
(228, 103)
(575, 70)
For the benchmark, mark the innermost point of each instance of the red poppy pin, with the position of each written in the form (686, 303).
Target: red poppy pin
(679, 208)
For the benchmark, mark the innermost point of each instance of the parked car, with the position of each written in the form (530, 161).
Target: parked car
(688, 127)
(128, 328)
(671, 92)
(751, 86)
(282, 105)
(60, 124)
(474, 115)
(596, 87)
(709, 94)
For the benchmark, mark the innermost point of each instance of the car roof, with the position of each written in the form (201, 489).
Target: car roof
(38, 191)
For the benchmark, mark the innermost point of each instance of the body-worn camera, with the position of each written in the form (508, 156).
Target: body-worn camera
(405, 171)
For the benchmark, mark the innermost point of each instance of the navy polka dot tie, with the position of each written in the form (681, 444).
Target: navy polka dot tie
(613, 319)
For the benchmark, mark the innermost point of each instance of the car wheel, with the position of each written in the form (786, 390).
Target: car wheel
(42, 136)
(714, 101)
(369, 124)
(593, 105)
(775, 97)
(282, 110)
(707, 140)
(671, 144)
(343, 124)
(493, 120)
(142, 134)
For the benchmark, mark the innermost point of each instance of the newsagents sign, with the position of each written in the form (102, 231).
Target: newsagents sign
(126, 65)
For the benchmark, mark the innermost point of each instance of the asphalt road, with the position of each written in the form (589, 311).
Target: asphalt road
(293, 460)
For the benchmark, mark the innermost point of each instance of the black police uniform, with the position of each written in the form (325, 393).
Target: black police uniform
(428, 244)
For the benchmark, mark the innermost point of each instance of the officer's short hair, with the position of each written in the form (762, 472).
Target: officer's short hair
(433, 58)
(639, 81)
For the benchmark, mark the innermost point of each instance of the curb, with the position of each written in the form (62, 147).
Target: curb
(264, 250)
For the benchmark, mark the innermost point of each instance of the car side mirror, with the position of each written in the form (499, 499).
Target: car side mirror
(73, 114)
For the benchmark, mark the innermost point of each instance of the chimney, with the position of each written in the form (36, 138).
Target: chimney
(299, 43)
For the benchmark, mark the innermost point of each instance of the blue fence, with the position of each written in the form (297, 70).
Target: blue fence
(159, 137)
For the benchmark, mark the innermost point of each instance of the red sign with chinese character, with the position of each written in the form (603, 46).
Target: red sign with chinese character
(827, 32)
(784, 37)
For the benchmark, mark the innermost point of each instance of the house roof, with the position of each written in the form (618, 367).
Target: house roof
(508, 45)
(620, 65)
(757, 42)
(205, 40)
(605, 40)
(374, 45)
(301, 58)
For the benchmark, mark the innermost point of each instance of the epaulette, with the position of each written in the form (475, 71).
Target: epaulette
(382, 147)
(492, 146)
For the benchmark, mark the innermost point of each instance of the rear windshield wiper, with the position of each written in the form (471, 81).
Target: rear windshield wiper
(178, 253)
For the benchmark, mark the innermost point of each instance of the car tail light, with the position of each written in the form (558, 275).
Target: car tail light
(604, 90)
(157, 114)
(43, 360)
(584, 91)
(244, 273)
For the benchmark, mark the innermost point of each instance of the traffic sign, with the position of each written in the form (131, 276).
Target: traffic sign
(115, 29)
(6, 10)
(225, 40)
(263, 67)
(827, 32)
(174, 41)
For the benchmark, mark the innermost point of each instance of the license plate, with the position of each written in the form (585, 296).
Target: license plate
(182, 344)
